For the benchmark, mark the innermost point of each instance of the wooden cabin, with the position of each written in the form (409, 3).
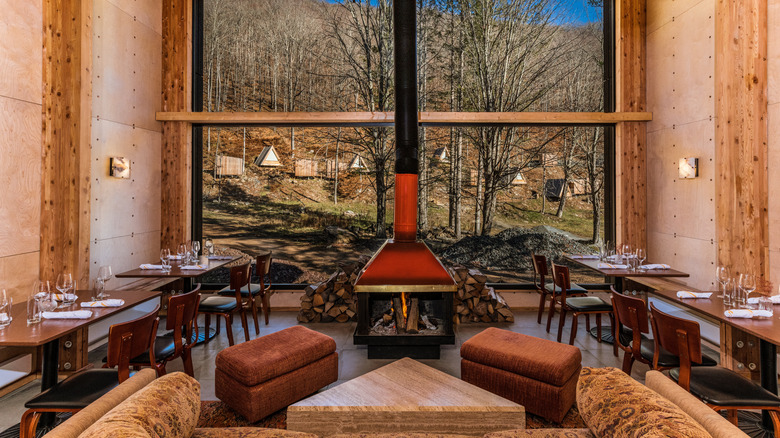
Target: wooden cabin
(268, 158)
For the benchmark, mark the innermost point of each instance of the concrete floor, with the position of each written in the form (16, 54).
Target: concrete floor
(353, 360)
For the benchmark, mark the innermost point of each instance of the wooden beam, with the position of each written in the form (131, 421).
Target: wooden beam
(631, 137)
(177, 135)
(742, 226)
(449, 118)
(67, 112)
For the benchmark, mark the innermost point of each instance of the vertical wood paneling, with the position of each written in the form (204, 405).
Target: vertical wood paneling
(631, 138)
(67, 63)
(741, 135)
(177, 138)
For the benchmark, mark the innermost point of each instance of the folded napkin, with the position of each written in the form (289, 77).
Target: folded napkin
(76, 314)
(775, 299)
(603, 265)
(747, 313)
(585, 256)
(174, 257)
(4, 317)
(104, 303)
(61, 297)
(653, 266)
(220, 257)
(688, 294)
(151, 266)
(193, 267)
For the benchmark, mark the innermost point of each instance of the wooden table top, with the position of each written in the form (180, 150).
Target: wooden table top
(594, 265)
(19, 334)
(713, 307)
(176, 270)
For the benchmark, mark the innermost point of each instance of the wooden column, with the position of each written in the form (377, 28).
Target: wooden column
(741, 135)
(177, 136)
(67, 112)
(631, 137)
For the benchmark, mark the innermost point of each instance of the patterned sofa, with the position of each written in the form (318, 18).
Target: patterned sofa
(611, 403)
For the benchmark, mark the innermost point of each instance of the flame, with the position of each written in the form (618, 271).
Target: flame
(403, 301)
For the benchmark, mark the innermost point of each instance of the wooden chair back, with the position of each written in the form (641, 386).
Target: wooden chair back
(540, 269)
(131, 339)
(239, 277)
(561, 279)
(679, 336)
(262, 269)
(630, 311)
(182, 311)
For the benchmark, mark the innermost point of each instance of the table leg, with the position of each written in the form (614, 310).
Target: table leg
(768, 375)
(50, 365)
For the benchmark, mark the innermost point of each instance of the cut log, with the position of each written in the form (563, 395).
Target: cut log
(398, 313)
(413, 316)
(342, 318)
(317, 300)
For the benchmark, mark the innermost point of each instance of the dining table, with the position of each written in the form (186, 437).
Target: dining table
(206, 263)
(766, 329)
(47, 333)
(592, 263)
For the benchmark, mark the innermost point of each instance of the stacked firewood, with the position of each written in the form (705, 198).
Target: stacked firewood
(333, 299)
(475, 301)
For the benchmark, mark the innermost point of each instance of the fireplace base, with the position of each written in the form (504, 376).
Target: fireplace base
(400, 346)
(401, 351)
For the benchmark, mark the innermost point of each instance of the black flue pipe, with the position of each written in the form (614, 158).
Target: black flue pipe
(405, 37)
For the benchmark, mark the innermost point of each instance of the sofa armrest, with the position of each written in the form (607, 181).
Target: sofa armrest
(542, 433)
(81, 420)
(716, 425)
(247, 432)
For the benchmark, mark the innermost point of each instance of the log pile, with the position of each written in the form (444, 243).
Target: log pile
(475, 301)
(333, 299)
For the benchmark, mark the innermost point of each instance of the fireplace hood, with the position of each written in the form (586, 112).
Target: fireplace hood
(404, 264)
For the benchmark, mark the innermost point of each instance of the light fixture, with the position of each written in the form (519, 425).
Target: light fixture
(119, 167)
(688, 168)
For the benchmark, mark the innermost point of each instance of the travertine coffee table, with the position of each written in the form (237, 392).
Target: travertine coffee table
(405, 396)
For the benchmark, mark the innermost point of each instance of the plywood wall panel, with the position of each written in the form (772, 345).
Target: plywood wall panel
(20, 48)
(147, 12)
(662, 12)
(20, 177)
(695, 256)
(18, 273)
(773, 181)
(148, 70)
(113, 63)
(773, 54)
(660, 78)
(123, 253)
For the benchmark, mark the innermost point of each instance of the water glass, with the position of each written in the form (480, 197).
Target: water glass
(722, 274)
(96, 292)
(165, 258)
(33, 309)
(728, 292)
(6, 303)
(747, 284)
(765, 304)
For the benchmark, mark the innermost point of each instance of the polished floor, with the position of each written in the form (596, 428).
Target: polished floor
(353, 360)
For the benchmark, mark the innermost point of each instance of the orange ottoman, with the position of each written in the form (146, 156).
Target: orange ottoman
(259, 377)
(539, 374)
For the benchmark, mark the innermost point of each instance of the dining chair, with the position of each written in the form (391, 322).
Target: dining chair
(125, 341)
(225, 306)
(631, 312)
(255, 292)
(577, 305)
(545, 288)
(719, 388)
(182, 335)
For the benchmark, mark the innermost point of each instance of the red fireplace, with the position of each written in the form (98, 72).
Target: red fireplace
(404, 279)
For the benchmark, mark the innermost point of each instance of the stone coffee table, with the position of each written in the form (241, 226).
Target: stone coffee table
(405, 396)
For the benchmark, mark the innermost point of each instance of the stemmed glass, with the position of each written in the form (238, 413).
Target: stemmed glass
(182, 253)
(42, 292)
(196, 248)
(747, 283)
(165, 258)
(722, 274)
(641, 256)
(64, 284)
(105, 274)
(6, 303)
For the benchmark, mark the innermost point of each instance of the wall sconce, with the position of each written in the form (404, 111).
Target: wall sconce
(119, 167)
(689, 167)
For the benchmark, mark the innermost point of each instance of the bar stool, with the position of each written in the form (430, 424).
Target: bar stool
(718, 387)
(578, 305)
(548, 288)
(125, 340)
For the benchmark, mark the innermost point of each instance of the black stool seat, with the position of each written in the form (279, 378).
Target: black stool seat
(722, 387)
(575, 289)
(588, 304)
(163, 348)
(253, 289)
(217, 304)
(668, 360)
(77, 391)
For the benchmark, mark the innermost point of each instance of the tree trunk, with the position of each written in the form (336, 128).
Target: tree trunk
(422, 188)
(562, 201)
(381, 201)
(478, 199)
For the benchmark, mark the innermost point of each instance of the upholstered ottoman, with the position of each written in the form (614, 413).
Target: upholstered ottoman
(536, 373)
(259, 377)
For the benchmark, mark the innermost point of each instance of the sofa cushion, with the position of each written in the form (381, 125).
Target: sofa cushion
(397, 435)
(542, 433)
(615, 405)
(539, 359)
(247, 432)
(168, 407)
(262, 359)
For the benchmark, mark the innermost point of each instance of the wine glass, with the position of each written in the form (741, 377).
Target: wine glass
(209, 246)
(105, 274)
(64, 284)
(42, 291)
(181, 252)
(196, 248)
(6, 303)
(641, 256)
(747, 284)
(722, 274)
(165, 258)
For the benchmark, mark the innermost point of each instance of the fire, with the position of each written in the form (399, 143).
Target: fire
(403, 302)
